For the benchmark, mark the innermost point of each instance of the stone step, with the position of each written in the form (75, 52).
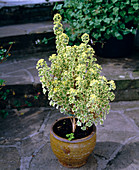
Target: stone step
(22, 76)
(26, 29)
(22, 11)
(25, 35)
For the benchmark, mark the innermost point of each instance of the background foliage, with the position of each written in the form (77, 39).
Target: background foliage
(101, 19)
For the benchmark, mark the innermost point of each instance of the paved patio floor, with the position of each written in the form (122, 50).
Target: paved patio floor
(25, 144)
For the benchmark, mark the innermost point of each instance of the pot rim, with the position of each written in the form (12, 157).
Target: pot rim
(73, 141)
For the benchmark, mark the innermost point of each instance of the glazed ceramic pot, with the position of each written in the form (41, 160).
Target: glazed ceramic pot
(72, 153)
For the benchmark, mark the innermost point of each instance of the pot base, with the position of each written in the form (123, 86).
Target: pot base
(78, 165)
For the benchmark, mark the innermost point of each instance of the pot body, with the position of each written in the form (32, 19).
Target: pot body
(114, 48)
(72, 153)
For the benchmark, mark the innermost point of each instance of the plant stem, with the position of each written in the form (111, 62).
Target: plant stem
(50, 38)
(8, 49)
(73, 124)
(6, 53)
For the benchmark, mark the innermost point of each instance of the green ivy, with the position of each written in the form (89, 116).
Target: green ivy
(101, 19)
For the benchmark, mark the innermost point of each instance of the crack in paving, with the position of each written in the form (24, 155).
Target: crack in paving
(132, 109)
(130, 121)
(100, 156)
(127, 119)
(16, 145)
(8, 146)
(131, 75)
(25, 162)
(35, 153)
(30, 136)
(42, 126)
(118, 150)
(30, 75)
(102, 161)
(45, 120)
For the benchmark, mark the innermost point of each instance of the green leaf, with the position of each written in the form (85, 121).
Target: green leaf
(128, 18)
(127, 2)
(130, 10)
(114, 1)
(134, 1)
(115, 10)
(79, 123)
(10, 43)
(133, 31)
(70, 136)
(29, 104)
(51, 103)
(103, 28)
(118, 36)
(89, 124)
(62, 110)
(123, 13)
(83, 128)
(96, 36)
(7, 91)
(1, 82)
(73, 37)
(45, 41)
(3, 113)
(122, 26)
(35, 97)
(97, 1)
(136, 6)
(126, 31)
(107, 20)
(101, 122)
(58, 7)
(80, 6)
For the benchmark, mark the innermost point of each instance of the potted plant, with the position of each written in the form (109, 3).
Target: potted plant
(111, 24)
(75, 86)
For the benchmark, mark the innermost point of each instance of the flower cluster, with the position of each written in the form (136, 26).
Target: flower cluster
(74, 81)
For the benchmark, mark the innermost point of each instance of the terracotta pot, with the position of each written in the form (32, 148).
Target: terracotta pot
(72, 153)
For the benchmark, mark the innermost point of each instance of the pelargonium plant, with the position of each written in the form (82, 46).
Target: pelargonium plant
(74, 81)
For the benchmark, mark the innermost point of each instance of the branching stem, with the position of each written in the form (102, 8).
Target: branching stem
(73, 121)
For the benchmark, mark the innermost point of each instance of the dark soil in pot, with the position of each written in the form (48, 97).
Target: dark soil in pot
(63, 127)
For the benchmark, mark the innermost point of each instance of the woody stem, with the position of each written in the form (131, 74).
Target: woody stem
(73, 124)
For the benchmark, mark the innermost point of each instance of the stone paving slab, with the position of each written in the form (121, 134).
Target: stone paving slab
(25, 143)
(25, 67)
(20, 70)
(24, 29)
(10, 162)
(121, 68)
(6, 3)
